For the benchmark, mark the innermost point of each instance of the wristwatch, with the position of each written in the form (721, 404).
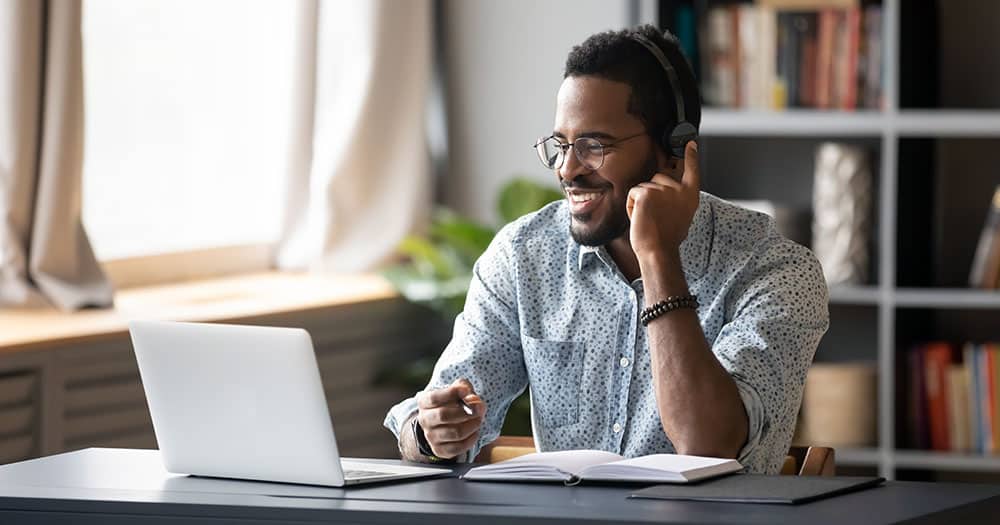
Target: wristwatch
(423, 447)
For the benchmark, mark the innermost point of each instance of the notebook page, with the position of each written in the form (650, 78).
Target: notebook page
(672, 462)
(569, 461)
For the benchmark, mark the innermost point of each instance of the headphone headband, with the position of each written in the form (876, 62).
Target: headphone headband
(675, 83)
(676, 138)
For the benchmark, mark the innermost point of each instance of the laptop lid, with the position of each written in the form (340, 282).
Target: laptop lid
(237, 401)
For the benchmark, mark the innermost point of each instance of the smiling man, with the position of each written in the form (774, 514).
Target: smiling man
(646, 316)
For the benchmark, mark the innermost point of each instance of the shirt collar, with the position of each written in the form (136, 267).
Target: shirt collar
(695, 250)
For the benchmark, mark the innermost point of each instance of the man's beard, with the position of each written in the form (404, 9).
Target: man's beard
(614, 226)
(616, 223)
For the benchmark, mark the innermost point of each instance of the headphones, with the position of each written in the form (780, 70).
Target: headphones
(674, 139)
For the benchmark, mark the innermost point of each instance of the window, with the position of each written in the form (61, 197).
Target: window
(188, 115)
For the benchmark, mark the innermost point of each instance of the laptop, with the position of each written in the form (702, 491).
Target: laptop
(245, 402)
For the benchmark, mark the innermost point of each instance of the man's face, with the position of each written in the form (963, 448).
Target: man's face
(589, 106)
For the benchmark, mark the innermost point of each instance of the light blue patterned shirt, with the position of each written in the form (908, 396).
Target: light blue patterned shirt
(547, 313)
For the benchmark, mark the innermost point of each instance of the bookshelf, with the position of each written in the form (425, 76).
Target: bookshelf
(876, 321)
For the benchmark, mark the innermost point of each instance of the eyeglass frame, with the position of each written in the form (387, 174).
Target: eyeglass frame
(563, 147)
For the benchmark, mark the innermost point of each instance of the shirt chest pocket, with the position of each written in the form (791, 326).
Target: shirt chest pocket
(554, 373)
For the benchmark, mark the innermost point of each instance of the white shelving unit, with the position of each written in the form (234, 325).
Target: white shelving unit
(885, 128)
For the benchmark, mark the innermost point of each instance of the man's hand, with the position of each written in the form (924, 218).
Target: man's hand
(662, 209)
(449, 430)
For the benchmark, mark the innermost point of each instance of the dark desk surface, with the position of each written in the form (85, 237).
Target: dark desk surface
(130, 486)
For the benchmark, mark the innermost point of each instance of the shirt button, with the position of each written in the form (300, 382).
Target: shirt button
(623, 362)
(617, 428)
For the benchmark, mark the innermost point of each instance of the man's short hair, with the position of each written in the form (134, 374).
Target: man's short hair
(614, 55)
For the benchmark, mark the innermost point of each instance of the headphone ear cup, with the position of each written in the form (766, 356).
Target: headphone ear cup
(680, 135)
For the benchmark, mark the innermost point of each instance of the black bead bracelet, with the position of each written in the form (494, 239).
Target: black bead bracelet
(668, 305)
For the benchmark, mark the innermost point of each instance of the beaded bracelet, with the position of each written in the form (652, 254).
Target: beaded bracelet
(668, 305)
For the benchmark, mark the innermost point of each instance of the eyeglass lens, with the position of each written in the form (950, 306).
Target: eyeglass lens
(589, 152)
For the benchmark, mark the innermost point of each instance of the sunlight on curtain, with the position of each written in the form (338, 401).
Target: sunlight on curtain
(187, 122)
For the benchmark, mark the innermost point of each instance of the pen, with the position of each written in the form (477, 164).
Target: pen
(465, 407)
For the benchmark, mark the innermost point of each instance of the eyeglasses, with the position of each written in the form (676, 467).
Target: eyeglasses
(589, 151)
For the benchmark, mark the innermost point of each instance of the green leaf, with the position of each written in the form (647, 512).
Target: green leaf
(467, 238)
(521, 196)
(427, 258)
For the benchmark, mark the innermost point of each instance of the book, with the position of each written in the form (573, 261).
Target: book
(873, 57)
(972, 365)
(850, 73)
(985, 271)
(985, 369)
(958, 407)
(573, 466)
(994, 350)
(937, 357)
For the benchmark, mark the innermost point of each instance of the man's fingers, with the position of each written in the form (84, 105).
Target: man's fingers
(452, 433)
(448, 395)
(663, 180)
(691, 177)
(450, 450)
(450, 415)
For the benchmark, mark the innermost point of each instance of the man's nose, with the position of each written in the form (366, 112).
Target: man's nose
(571, 166)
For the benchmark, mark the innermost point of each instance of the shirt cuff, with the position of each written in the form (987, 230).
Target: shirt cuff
(755, 419)
(399, 414)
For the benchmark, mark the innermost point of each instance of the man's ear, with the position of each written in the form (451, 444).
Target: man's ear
(669, 165)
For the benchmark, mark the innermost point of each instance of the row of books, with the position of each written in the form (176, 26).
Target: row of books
(985, 271)
(777, 54)
(954, 397)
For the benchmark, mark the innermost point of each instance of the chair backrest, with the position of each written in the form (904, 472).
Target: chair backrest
(802, 461)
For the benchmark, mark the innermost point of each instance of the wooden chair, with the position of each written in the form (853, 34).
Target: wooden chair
(803, 461)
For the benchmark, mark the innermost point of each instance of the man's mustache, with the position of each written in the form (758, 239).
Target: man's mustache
(577, 184)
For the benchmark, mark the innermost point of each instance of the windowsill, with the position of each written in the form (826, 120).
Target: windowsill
(221, 299)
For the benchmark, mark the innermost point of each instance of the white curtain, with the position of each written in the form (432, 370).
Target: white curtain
(45, 256)
(359, 178)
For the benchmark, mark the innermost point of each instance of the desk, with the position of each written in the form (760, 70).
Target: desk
(115, 486)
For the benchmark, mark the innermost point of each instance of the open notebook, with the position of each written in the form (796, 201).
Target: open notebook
(573, 466)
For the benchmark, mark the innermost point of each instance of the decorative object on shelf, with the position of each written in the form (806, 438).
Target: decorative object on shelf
(986, 263)
(839, 405)
(842, 210)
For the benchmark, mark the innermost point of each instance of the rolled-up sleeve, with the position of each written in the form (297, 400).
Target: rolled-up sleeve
(779, 314)
(485, 347)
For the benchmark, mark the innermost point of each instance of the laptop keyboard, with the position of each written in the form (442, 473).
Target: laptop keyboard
(361, 474)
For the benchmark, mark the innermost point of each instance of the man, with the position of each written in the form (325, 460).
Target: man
(646, 316)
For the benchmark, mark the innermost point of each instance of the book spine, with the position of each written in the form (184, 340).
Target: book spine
(853, 17)
(783, 27)
(768, 42)
(938, 357)
(749, 59)
(985, 392)
(972, 364)
(994, 350)
(958, 408)
(873, 57)
(736, 96)
(793, 58)
(824, 58)
(807, 62)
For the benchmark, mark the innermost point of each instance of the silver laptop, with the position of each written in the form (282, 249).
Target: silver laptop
(245, 402)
